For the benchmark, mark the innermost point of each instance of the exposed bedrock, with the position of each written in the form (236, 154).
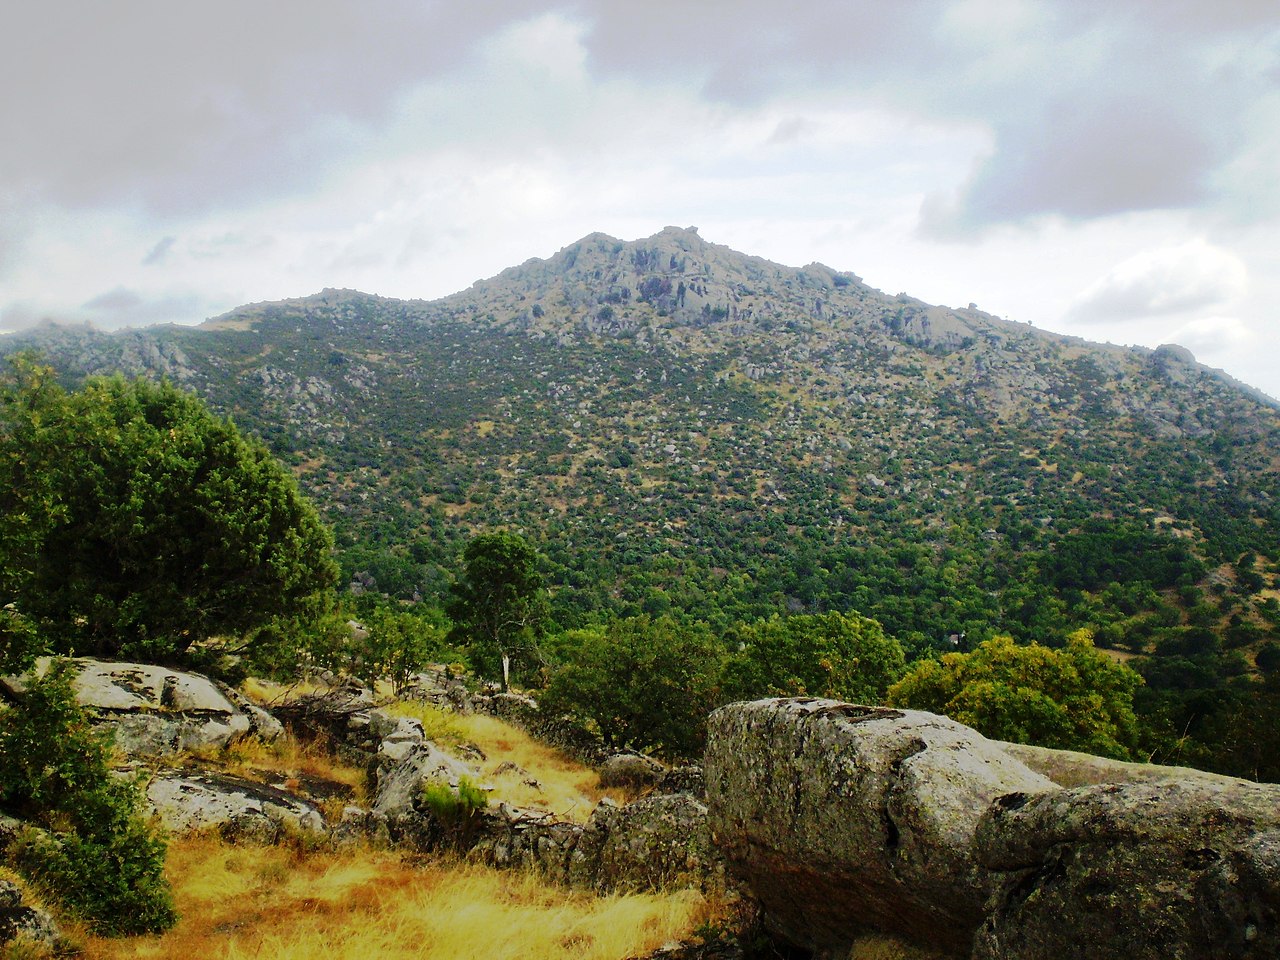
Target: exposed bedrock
(847, 820)
(843, 819)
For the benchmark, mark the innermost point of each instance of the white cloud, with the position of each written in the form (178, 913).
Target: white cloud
(1212, 337)
(1167, 280)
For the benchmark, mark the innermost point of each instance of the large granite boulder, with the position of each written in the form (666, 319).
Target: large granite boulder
(1143, 871)
(239, 809)
(1069, 768)
(154, 711)
(843, 819)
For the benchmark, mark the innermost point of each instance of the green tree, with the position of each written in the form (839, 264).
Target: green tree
(93, 851)
(394, 644)
(498, 605)
(838, 655)
(138, 523)
(1076, 698)
(645, 683)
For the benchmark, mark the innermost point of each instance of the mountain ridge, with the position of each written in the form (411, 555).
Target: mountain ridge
(666, 379)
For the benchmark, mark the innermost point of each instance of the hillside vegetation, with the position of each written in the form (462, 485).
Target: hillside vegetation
(684, 431)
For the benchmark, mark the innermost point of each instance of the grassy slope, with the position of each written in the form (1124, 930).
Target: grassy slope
(286, 902)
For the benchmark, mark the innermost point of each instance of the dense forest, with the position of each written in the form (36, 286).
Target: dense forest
(697, 443)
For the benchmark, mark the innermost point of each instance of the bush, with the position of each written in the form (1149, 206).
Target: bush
(455, 810)
(1071, 699)
(646, 683)
(1268, 657)
(136, 523)
(87, 845)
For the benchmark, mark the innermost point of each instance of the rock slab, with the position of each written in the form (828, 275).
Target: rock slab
(1143, 871)
(153, 711)
(239, 809)
(842, 819)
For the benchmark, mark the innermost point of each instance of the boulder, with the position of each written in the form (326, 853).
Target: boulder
(261, 723)
(21, 921)
(239, 809)
(153, 711)
(843, 819)
(512, 837)
(633, 771)
(687, 779)
(1067, 768)
(400, 782)
(1135, 870)
(656, 843)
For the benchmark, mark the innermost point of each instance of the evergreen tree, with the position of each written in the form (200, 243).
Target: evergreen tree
(137, 523)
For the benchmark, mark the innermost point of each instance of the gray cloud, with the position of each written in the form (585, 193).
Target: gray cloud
(1088, 160)
(160, 252)
(1095, 107)
(18, 316)
(118, 300)
(122, 307)
(181, 107)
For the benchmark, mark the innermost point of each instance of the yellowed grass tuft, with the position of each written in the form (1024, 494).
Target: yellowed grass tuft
(279, 904)
(268, 692)
(309, 768)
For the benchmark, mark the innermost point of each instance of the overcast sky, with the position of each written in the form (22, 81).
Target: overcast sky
(1108, 168)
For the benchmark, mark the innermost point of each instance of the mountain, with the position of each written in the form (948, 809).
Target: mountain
(684, 428)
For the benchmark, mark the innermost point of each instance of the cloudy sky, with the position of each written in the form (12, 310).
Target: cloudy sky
(1108, 168)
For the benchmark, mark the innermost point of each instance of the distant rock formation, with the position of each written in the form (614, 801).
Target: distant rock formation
(846, 820)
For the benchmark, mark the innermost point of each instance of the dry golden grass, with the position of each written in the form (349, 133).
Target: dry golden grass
(268, 692)
(561, 785)
(275, 903)
(565, 787)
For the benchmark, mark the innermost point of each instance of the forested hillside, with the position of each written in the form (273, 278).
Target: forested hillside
(685, 430)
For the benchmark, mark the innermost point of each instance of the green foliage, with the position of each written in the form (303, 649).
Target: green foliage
(1073, 699)
(20, 641)
(93, 850)
(842, 656)
(456, 810)
(498, 605)
(394, 644)
(146, 524)
(1244, 727)
(1106, 552)
(646, 684)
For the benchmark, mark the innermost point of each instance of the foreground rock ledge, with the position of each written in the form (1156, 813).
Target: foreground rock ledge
(844, 820)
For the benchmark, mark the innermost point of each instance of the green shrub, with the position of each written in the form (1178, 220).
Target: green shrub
(454, 806)
(456, 810)
(87, 845)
